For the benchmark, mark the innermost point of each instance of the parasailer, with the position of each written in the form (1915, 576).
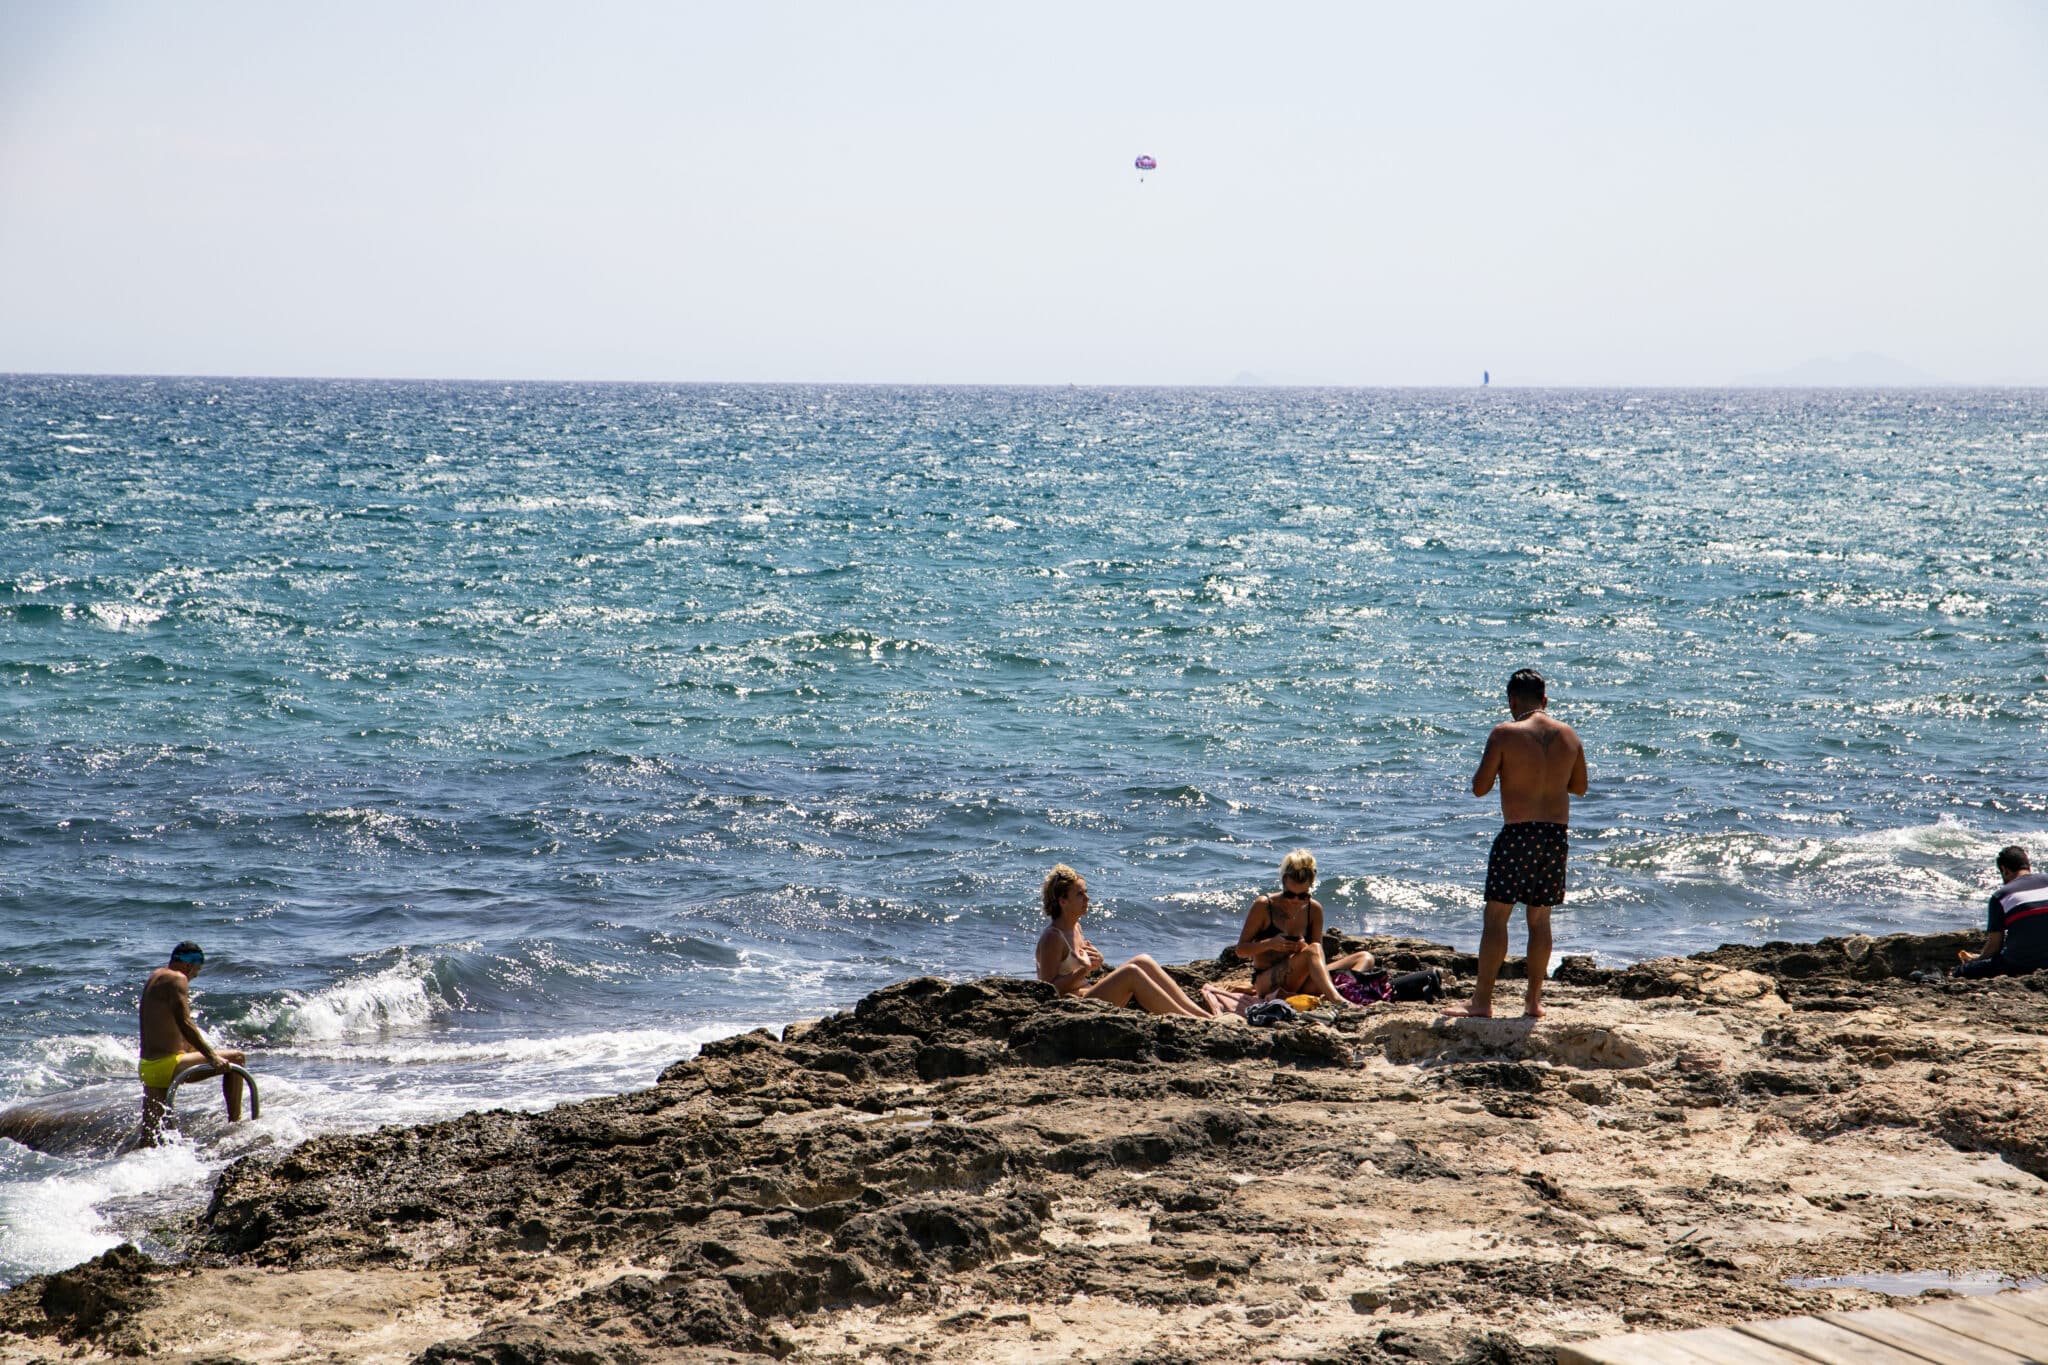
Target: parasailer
(1145, 163)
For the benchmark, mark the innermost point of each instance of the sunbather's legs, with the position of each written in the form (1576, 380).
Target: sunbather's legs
(1131, 982)
(1145, 963)
(1308, 975)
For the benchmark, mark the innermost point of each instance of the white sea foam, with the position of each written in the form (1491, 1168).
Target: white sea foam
(1943, 861)
(55, 1211)
(56, 1221)
(62, 1063)
(337, 1087)
(400, 997)
(589, 613)
(1945, 836)
(541, 502)
(674, 519)
(573, 1049)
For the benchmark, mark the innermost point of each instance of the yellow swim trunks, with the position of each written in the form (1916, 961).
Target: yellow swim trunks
(158, 1071)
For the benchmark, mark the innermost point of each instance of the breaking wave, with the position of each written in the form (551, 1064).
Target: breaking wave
(403, 997)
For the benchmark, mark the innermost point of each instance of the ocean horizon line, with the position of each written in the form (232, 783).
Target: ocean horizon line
(1174, 386)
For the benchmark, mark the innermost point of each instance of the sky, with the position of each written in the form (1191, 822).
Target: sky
(1558, 193)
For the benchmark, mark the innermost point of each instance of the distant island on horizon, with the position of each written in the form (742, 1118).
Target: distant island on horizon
(1863, 370)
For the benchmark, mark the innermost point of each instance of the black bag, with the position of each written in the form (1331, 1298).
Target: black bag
(1427, 984)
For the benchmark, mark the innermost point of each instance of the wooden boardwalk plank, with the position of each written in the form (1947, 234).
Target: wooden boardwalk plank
(1983, 1319)
(1827, 1343)
(2001, 1329)
(1921, 1337)
(1633, 1348)
(1731, 1346)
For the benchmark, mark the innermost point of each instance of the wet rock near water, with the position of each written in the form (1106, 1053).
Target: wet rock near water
(1859, 957)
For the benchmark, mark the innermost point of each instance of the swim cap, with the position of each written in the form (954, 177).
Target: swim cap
(188, 951)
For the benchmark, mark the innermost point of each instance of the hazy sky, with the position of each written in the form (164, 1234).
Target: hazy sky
(1560, 193)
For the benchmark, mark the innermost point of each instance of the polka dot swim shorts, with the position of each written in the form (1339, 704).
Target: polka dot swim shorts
(1527, 864)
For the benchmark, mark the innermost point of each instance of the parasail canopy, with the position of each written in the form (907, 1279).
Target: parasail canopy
(1146, 163)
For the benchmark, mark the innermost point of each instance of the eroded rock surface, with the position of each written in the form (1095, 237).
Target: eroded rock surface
(983, 1171)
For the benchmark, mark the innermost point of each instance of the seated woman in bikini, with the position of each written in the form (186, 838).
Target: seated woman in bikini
(1067, 959)
(1283, 938)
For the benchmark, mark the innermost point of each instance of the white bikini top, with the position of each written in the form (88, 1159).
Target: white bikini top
(1073, 962)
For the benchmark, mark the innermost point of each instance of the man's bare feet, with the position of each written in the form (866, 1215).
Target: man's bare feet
(1468, 1012)
(1534, 1010)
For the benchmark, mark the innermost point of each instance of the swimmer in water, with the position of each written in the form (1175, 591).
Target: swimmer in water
(172, 1043)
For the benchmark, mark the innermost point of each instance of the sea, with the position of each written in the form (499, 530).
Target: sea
(502, 743)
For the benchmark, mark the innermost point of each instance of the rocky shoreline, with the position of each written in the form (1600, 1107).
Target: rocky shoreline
(980, 1171)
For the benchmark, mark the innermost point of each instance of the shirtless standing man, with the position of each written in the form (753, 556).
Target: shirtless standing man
(1541, 766)
(172, 1043)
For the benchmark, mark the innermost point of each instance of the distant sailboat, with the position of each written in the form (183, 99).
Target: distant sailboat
(1485, 378)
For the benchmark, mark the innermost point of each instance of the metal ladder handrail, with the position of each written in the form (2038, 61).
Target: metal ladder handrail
(206, 1071)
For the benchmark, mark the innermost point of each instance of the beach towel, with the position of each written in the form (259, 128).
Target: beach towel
(1363, 988)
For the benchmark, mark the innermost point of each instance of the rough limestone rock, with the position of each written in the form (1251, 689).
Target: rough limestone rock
(982, 1171)
(93, 1300)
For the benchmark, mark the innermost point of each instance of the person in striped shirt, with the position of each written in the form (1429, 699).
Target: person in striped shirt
(2017, 939)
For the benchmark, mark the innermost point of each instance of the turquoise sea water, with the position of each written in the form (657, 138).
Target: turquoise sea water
(502, 742)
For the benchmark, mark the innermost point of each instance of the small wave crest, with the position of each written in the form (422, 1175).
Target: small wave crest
(1183, 795)
(853, 640)
(367, 827)
(672, 519)
(402, 997)
(1941, 861)
(124, 616)
(60, 1064)
(346, 1087)
(566, 1050)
